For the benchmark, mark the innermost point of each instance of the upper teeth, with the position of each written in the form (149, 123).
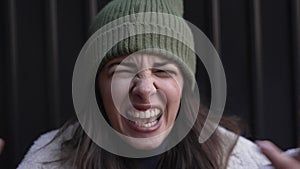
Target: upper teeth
(144, 114)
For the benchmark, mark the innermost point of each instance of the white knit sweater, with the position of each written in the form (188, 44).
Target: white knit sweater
(245, 155)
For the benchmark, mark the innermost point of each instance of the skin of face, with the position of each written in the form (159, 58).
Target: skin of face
(138, 84)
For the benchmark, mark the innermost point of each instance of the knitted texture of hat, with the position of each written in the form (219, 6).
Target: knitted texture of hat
(172, 37)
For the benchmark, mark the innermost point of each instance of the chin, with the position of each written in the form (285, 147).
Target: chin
(148, 143)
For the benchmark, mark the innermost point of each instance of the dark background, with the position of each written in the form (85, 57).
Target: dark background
(258, 42)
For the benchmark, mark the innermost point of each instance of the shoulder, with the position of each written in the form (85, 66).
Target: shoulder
(45, 149)
(245, 153)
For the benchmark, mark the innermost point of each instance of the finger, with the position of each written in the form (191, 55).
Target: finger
(1, 145)
(274, 154)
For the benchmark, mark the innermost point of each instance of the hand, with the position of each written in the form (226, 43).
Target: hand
(1, 145)
(279, 160)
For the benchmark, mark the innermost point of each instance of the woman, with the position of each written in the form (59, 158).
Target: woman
(145, 91)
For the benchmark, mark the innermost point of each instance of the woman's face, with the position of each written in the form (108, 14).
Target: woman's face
(141, 95)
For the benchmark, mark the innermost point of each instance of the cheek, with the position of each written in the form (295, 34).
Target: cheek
(113, 92)
(113, 95)
(109, 106)
(119, 92)
(172, 91)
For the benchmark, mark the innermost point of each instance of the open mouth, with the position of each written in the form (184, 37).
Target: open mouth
(144, 119)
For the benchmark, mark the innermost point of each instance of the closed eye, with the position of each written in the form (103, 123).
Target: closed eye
(123, 73)
(164, 73)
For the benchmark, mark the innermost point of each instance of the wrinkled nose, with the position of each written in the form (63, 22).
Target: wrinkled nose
(143, 86)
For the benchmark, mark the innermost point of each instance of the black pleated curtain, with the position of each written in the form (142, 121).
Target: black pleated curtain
(258, 42)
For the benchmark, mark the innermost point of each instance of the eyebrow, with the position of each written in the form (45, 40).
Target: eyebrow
(161, 64)
(129, 64)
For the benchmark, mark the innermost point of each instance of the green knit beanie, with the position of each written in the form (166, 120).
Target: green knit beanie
(174, 40)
